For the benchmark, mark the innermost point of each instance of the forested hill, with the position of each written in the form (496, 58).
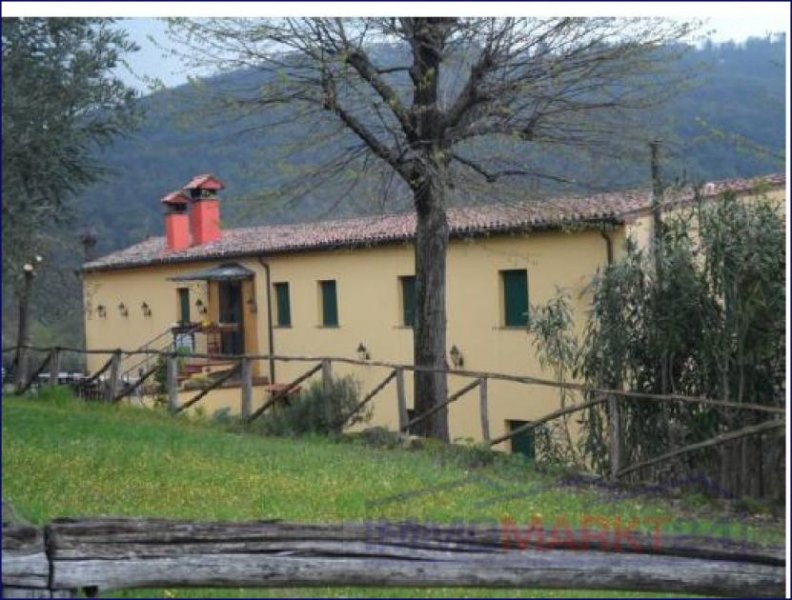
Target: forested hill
(729, 124)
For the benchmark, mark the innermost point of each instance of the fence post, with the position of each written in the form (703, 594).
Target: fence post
(247, 388)
(401, 399)
(327, 385)
(614, 434)
(111, 391)
(55, 360)
(485, 430)
(173, 383)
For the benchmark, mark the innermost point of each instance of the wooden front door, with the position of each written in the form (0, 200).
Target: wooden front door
(232, 339)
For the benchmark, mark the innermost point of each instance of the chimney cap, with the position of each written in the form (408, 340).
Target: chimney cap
(176, 198)
(207, 181)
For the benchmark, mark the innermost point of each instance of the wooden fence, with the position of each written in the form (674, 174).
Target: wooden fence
(94, 555)
(113, 390)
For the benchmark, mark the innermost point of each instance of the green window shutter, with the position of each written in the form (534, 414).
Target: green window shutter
(184, 305)
(515, 297)
(284, 307)
(408, 301)
(329, 304)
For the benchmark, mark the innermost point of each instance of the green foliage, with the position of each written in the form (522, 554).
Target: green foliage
(314, 412)
(61, 100)
(711, 324)
(59, 395)
(551, 326)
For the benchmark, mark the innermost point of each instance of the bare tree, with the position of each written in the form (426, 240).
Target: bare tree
(441, 102)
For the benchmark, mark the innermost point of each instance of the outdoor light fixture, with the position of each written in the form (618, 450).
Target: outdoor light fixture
(146, 310)
(251, 302)
(362, 352)
(200, 306)
(456, 357)
(101, 311)
(123, 309)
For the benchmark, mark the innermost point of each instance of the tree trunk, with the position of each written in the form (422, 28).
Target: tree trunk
(431, 243)
(428, 185)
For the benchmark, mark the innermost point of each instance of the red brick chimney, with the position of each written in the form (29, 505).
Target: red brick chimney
(177, 222)
(205, 211)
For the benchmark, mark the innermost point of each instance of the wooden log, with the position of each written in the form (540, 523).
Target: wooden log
(246, 389)
(614, 436)
(369, 397)
(327, 387)
(117, 553)
(484, 410)
(111, 391)
(716, 441)
(120, 537)
(524, 379)
(173, 383)
(55, 363)
(437, 407)
(29, 381)
(24, 560)
(401, 400)
(99, 373)
(128, 391)
(553, 415)
(215, 384)
(284, 392)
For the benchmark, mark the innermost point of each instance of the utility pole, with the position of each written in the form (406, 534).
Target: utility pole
(657, 248)
(23, 335)
(657, 208)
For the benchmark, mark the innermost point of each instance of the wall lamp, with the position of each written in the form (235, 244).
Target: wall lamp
(123, 309)
(201, 306)
(362, 352)
(101, 311)
(456, 357)
(146, 309)
(251, 302)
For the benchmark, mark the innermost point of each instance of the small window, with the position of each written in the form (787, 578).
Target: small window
(408, 300)
(522, 443)
(184, 305)
(283, 305)
(329, 303)
(515, 298)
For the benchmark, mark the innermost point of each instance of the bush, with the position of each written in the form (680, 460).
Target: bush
(315, 412)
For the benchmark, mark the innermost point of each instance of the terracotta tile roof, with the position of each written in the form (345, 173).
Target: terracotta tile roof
(366, 231)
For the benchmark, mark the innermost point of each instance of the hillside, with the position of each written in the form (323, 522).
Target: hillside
(729, 123)
(66, 458)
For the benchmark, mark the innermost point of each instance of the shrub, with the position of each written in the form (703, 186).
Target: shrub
(315, 412)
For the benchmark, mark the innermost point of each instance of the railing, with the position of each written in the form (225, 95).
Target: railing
(96, 555)
(114, 391)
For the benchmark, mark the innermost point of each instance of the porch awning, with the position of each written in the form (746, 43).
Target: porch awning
(226, 272)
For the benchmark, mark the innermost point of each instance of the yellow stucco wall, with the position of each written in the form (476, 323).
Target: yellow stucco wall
(369, 312)
(640, 227)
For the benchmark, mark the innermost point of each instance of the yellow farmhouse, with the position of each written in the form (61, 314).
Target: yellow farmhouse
(344, 288)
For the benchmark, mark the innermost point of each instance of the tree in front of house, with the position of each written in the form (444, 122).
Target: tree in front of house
(432, 104)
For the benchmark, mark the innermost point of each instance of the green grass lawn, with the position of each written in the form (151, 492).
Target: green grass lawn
(66, 458)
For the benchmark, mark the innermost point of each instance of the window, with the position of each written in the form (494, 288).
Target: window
(184, 305)
(522, 443)
(282, 304)
(408, 300)
(515, 298)
(329, 303)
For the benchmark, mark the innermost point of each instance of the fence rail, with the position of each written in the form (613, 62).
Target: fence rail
(114, 390)
(95, 555)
